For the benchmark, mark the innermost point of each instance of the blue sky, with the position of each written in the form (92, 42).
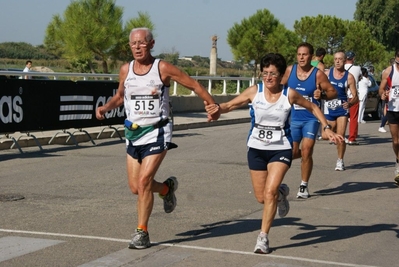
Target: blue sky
(184, 26)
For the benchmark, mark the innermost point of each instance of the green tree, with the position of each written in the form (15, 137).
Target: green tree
(22, 50)
(359, 39)
(260, 34)
(382, 18)
(322, 31)
(89, 30)
(92, 30)
(172, 58)
(335, 34)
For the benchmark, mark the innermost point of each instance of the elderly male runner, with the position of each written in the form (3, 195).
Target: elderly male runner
(314, 85)
(144, 90)
(336, 110)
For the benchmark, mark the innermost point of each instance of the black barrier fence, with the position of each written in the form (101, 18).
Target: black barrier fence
(41, 105)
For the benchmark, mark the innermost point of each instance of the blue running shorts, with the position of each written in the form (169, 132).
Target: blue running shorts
(302, 129)
(336, 113)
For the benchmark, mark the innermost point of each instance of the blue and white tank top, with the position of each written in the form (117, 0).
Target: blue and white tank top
(270, 129)
(306, 88)
(147, 102)
(341, 86)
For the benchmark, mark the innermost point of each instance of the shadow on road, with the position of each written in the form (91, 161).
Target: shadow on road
(351, 187)
(329, 233)
(315, 234)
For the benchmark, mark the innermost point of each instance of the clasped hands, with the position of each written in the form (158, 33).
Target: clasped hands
(213, 111)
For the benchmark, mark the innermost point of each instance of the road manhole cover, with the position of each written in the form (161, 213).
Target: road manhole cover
(10, 197)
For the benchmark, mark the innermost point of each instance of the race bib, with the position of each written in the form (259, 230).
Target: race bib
(394, 92)
(298, 107)
(145, 105)
(333, 104)
(267, 134)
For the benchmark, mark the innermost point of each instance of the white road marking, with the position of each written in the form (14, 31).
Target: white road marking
(188, 247)
(124, 257)
(15, 246)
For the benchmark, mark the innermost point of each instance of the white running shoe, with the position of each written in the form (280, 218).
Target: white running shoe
(396, 169)
(262, 245)
(303, 192)
(382, 130)
(283, 206)
(340, 165)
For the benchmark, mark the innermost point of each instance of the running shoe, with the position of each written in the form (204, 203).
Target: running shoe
(262, 245)
(140, 240)
(283, 206)
(169, 200)
(303, 192)
(340, 165)
(396, 179)
(382, 130)
(353, 143)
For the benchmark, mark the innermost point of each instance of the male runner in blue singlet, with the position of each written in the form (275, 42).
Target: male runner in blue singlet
(312, 84)
(336, 110)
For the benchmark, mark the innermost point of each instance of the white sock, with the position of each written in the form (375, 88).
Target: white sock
(262, 234)
(304, 183)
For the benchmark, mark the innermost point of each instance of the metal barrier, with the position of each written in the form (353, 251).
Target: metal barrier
(87, 76)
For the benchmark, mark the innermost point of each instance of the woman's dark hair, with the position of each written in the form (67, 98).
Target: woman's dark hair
(320, 52)
(364, 72)
(276, 60)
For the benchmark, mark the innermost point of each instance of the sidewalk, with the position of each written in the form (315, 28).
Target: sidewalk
(182, 121)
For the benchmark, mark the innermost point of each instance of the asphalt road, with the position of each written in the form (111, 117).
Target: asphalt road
(78, 211)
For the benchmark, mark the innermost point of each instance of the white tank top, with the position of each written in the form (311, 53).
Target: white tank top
(270, 129)
(147, 102)
(393, 103)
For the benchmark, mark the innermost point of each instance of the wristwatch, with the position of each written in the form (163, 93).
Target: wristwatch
(328, 126)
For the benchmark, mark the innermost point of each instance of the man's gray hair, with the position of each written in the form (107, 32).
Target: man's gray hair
(148, 36)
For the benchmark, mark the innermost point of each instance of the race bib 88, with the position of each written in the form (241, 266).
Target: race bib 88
(267, 134)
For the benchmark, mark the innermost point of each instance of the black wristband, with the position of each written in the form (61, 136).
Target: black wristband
(328, 126)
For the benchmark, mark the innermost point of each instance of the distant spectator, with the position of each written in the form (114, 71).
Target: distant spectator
(28, 65)
(371, 70)
(317, 61)
(354, 109)
(364, 84)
